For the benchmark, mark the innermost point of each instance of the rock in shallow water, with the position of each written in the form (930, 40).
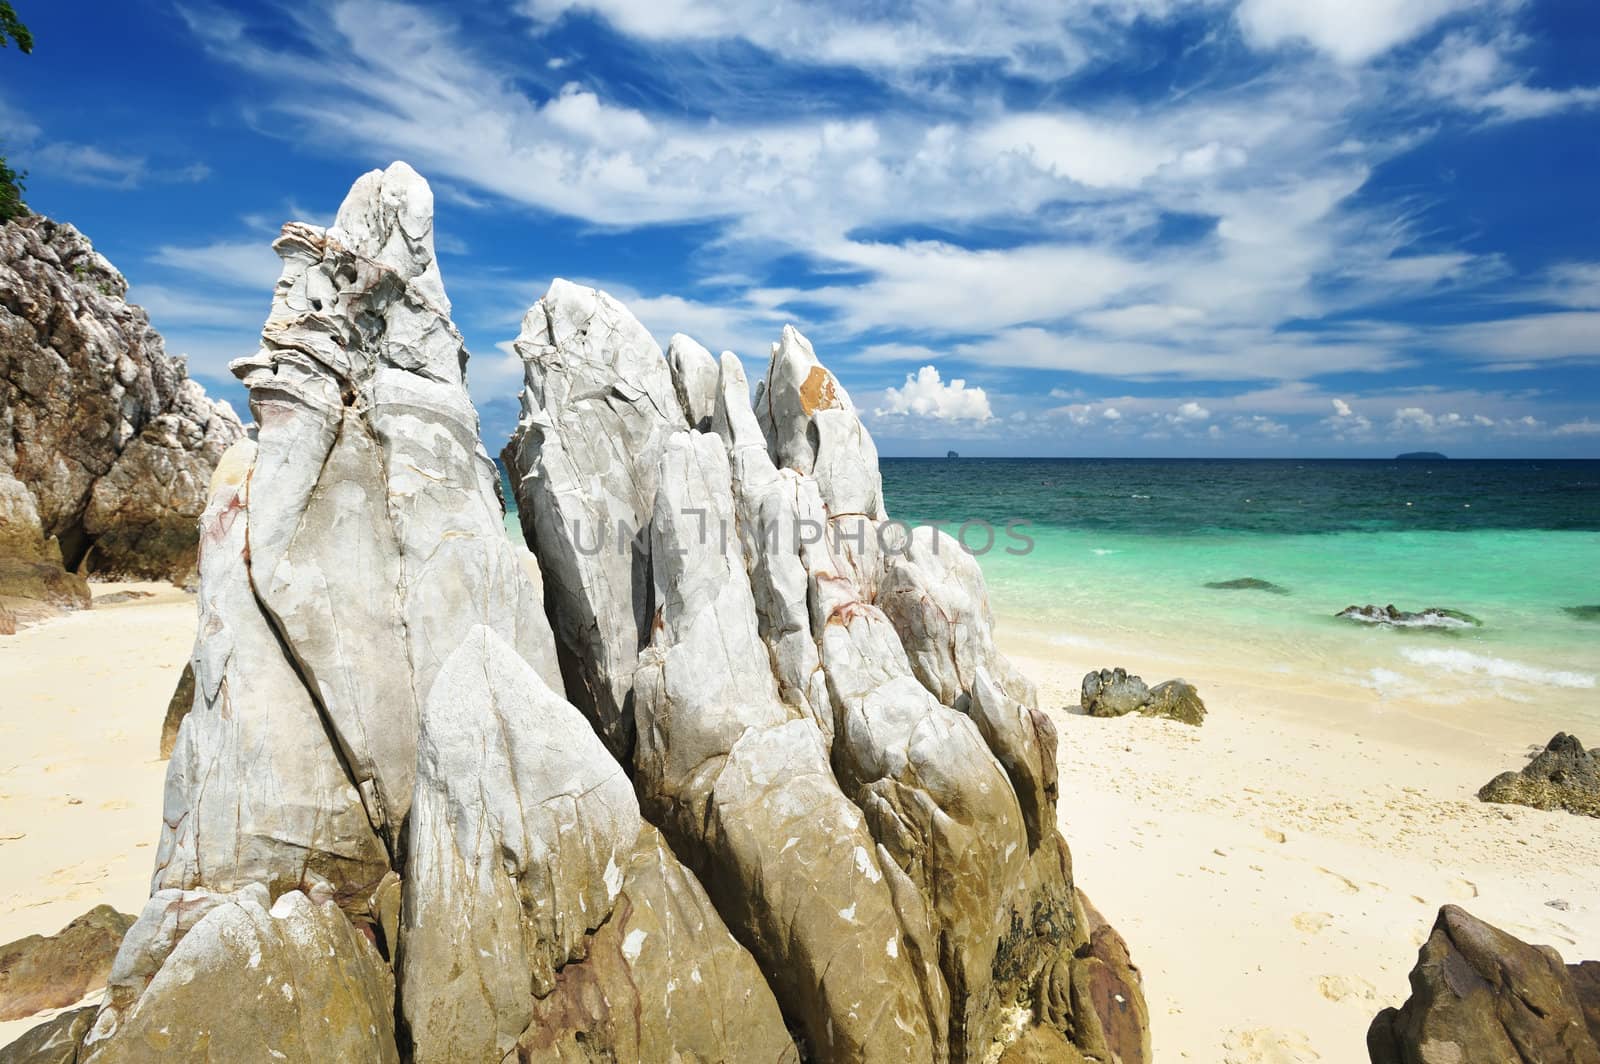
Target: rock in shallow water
(1561, 776)
(1390, 617)
(1248, 583)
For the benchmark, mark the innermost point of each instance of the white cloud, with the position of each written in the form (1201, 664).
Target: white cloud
(1192, 411)
(924, 394)
(247, 264)
(1352, 31)
(1027, 34)
(1477, 73)
(1586, 427)
(1530, 339)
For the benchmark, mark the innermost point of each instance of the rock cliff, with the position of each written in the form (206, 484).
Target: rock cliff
(106, 444)
(763, 791)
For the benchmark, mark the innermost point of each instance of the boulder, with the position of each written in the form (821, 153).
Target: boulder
(1390, 617)
(1116, 693)
(251, 979)
(1113, 693)
(39, 973)
(1478, 996)
(110, 440)
(56, 1041)
(1561, 776)
(1176, 700)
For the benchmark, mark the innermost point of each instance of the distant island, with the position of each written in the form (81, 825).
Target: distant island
(951, 454)
(1420, 456)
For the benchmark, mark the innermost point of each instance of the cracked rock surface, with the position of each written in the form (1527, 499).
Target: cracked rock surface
(749, 783)
(106, 444)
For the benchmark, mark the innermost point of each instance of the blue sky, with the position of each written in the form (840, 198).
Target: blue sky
(1157, 227)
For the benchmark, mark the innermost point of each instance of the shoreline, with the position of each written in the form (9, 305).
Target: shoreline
(1272, 871)
(1275, 870)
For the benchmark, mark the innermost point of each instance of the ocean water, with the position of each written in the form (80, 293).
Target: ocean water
(1119, 551)
(1125, 548)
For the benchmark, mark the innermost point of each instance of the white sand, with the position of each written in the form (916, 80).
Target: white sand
(1273, 871)
(82, 698)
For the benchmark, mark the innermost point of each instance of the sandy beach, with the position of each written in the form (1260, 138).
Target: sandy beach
(1273, 871)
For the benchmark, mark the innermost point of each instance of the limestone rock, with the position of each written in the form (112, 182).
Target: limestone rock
(694, 380)
(811, 427)
(251, 979)
(742, 784)
(1561, 776)
(39, 973)
(775, 510)
(541, 912)
(177, 709)
(388, 738)
(597, 407)
(255, 791)
(1105, 997)
(1116, 693)
(1478, 995)
(56, 1041)
(818, 699)
(32, 576)
(104, 430)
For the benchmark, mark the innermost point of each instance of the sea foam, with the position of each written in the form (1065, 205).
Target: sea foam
(1464, 661)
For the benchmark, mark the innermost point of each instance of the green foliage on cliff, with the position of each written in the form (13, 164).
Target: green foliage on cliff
(11, 205)
(12, 29)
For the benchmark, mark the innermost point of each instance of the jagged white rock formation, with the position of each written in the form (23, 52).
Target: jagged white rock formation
(379, 723)
(597, 406)
(762, 793)
(807, 662)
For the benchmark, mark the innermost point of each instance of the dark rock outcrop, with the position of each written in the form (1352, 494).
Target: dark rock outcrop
(39, 973)
(1116, 693)
(106, 444)
(1583, 613)
(1561, 776)
(1390, 617)
(1481, 996)
(1248, 583)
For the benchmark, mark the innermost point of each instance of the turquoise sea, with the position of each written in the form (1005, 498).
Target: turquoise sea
(1124, 548)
